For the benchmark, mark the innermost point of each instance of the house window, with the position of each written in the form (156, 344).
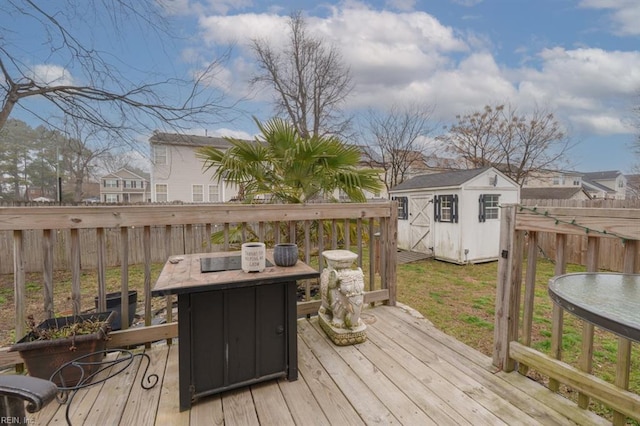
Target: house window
(161, 192)
(214, 194)
(129, 184)
(576, 182)
(446, 208)
(558, 180)
(488, 207)
(160, 155)
(197, 193)
(110, 183)
(403, 210)
(620, 183)
(111, 198)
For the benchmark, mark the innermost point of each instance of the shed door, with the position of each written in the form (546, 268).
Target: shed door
(420, 223)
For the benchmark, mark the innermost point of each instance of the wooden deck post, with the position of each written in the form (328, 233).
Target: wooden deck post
(508, 289)
(392, 252)
(623, 365)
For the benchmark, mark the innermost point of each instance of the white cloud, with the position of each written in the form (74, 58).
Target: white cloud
(412, 56)
(601, 124)
(625, 14)
(51, 75)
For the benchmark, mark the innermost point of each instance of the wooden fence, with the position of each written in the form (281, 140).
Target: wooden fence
(92, 237)
(522, 230)
(182, 239)
(611, 253)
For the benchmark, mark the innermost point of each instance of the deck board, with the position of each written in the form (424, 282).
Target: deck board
(407, 372)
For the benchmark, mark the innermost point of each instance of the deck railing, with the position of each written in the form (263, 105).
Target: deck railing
(148, 232)
(521, 228)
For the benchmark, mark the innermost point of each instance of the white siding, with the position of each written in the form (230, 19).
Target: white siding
(184, 170)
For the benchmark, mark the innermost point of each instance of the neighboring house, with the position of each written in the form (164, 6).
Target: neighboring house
(454, 215)
(178, 175)
(602, 185)
(554, 179)
(124, 186)
(569, 193)
(610, 184)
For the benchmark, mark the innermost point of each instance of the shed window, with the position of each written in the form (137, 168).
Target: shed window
(403, 210)
(446, 208)
(488, 207)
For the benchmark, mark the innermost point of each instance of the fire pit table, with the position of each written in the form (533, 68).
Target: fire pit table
(234, 328)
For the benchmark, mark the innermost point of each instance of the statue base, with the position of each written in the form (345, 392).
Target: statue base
(343, 336)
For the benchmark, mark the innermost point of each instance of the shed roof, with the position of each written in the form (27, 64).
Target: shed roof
(440, 180)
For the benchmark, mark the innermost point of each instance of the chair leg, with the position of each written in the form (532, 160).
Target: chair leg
(12, 410)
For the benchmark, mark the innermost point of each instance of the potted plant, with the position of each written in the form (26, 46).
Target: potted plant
(57, 341)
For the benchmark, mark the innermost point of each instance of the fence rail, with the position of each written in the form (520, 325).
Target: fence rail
(522, 230)
(611, 253)
(93, 237)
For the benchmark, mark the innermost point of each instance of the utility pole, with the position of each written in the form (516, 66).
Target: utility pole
(58, 178)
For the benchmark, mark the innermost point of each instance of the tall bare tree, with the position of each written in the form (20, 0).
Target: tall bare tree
(396, 140)
(83, 145)
(69, 70)
(517, 144)
(309, 79)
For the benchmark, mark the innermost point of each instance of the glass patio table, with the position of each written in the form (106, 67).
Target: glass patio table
(607, 300)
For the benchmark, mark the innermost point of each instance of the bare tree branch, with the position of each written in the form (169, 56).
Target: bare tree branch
(309, 80)
(397, 140)
(99, 93)
(519, 145)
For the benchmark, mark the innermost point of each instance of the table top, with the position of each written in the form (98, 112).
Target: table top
(608, 300)
(181, 274)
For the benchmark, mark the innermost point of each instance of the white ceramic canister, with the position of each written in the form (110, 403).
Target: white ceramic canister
(253, 257)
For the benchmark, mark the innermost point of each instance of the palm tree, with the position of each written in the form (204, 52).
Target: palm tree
(283, 167)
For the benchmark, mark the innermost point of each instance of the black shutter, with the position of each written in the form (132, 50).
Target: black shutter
(481, 209)
(436, 208)
(454, 209)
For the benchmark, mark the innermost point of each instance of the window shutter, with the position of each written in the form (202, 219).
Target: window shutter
(436, 208)
(481, 209)
(454, 209)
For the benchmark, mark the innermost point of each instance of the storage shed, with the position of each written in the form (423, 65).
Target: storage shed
(455, 216)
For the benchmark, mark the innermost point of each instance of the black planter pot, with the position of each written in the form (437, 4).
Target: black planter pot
(285, 254)
(114, 304)
(44, 357)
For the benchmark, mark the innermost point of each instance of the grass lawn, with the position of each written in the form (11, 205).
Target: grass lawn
(460, 300)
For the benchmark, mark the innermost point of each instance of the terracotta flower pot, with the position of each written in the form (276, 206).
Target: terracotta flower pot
(285, 254)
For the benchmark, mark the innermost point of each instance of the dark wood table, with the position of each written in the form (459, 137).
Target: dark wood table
(608, 300)
(234, 328)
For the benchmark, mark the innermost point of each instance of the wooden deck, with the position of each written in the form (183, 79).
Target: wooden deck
(407, 372)
(405, 256)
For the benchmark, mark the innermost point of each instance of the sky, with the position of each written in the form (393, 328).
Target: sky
(580, 59)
